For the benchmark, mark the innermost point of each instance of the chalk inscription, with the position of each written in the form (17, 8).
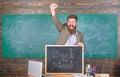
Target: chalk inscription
(65, 60)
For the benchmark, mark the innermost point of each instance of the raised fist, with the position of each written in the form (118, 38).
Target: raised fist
(53, 6)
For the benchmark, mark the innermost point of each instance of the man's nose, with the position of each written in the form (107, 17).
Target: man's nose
(71, 23)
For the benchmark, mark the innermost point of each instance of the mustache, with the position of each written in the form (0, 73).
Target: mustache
(71, 25)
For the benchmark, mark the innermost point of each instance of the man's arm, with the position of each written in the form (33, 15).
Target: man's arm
(80, 40)
(57, 23)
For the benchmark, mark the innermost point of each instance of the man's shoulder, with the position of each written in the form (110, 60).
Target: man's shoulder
(79, 33)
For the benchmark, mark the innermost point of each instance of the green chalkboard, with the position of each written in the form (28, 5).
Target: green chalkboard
(25, 35)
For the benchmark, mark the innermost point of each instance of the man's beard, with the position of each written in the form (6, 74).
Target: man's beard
(73, 31)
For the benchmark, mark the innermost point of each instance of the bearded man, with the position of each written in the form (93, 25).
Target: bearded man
(69, 35)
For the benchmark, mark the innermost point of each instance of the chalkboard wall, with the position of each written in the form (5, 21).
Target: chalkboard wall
(25, 35)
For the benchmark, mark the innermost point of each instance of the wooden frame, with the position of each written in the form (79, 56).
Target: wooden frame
(47, 58)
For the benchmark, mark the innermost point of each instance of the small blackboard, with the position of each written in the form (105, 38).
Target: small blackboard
(63, 59)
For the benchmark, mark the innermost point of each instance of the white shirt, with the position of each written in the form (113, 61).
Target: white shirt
(72, 39)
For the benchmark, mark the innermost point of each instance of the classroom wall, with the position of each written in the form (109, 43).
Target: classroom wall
(19, 66)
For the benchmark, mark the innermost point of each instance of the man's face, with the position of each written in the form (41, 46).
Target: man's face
(71, 23)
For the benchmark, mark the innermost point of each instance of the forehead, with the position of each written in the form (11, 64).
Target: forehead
(71, 19)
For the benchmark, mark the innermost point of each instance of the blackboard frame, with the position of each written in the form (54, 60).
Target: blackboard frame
(64, 46)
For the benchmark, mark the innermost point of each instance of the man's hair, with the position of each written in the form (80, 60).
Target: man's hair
(72, 16)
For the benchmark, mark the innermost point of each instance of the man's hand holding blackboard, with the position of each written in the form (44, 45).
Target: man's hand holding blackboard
(80, 44)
